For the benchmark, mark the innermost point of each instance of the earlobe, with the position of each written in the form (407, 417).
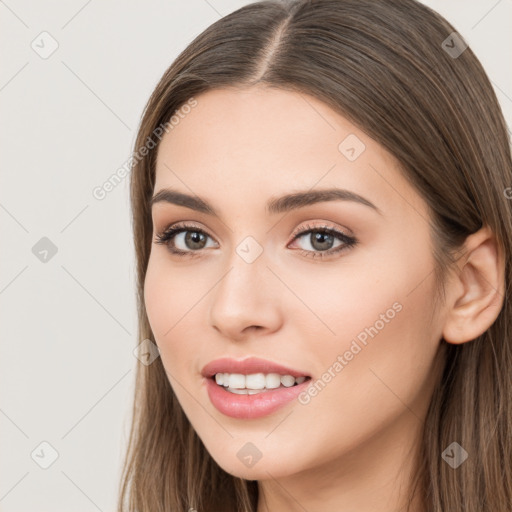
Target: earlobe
(477, 290)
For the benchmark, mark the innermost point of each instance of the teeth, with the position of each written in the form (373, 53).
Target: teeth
(287, 381)
(272, 381)
(236, 381)
(246, 391)
(255, 382)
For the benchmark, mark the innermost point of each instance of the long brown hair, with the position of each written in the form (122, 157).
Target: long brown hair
(387, 67)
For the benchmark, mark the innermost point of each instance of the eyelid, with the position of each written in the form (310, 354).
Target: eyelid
(322, 224)
(186, 226)
(301, 229)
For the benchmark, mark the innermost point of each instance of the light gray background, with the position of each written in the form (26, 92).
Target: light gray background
(68, 325)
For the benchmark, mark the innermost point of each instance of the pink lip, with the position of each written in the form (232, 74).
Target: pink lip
(250, 406)
(248, 366)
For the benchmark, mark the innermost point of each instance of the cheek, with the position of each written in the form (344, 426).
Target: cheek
(169, 295)
(156, 300)
(384, 335)
(379, 364)
(172, 298)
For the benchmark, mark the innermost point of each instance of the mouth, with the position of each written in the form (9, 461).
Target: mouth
(248, 404)
(256, 383)
(252, 388)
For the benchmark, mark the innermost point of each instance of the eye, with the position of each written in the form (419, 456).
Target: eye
(191, 239)
(320, 241)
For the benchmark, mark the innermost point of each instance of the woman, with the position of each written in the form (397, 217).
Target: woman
(322, 223)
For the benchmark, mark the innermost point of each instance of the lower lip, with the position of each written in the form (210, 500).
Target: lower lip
(251, 406)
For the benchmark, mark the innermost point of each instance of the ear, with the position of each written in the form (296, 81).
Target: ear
(477, 291)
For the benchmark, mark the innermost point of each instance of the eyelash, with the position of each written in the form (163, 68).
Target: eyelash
(169, 234)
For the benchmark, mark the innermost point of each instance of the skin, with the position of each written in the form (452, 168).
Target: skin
(354, 445)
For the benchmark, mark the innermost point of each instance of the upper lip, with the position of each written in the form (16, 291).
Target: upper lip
(247, 367)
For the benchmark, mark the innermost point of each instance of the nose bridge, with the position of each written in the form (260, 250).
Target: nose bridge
(244, 295)
(247, 272)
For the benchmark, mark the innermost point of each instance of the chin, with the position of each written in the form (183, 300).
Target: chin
(274, 465)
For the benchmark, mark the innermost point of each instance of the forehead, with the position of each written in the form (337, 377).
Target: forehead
(270, 141)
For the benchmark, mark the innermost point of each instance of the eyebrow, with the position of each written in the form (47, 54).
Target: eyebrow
(277, 205)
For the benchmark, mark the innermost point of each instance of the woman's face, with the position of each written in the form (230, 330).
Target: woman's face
(353, 314)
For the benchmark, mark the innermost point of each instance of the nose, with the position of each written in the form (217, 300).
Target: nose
(246, 302)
